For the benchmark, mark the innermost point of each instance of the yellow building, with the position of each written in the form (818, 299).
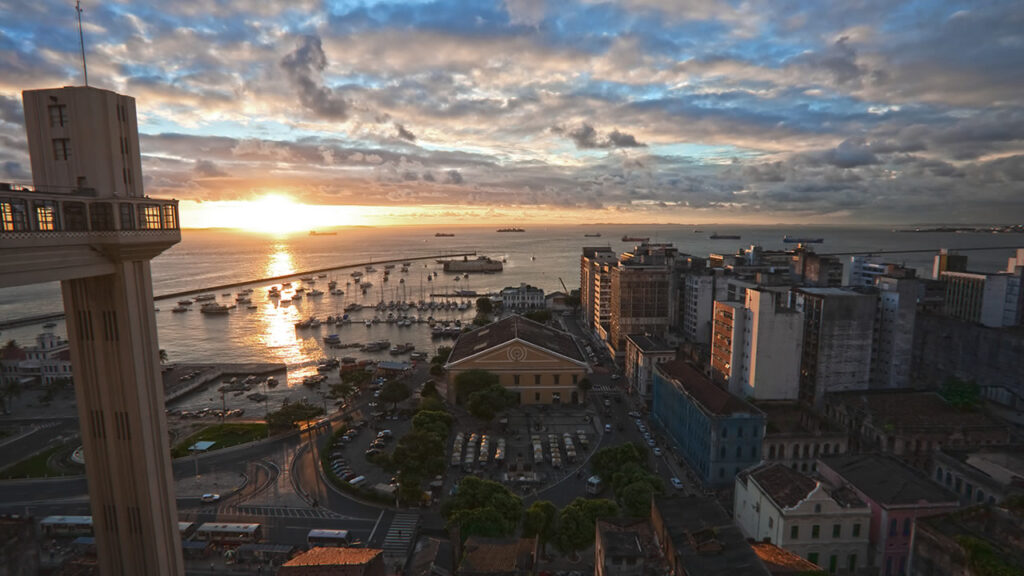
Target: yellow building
(541, 364)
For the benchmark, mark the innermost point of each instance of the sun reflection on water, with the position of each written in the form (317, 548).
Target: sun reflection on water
(277, 333)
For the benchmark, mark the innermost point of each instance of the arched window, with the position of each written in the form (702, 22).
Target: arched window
(771, 451)
(824, 449)
(816, 447)
(949, 479)
(938, 474)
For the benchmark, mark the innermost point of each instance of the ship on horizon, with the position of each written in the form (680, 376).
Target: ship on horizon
(798, 240)
(594, 235)
(717, 236)
(512, 229)
(315, 233)
(628, 238)
(443, 235)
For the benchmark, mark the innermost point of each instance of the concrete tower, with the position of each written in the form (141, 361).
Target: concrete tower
(88, 225)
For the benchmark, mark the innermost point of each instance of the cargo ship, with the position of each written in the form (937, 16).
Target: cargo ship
(797, 240)
(594, 235)
(443, 235)
(717, 236)
(636, 238)
(315, 233)
(481, 264)
(512, 229)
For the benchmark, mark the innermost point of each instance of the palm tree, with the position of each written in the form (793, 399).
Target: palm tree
(163, 356)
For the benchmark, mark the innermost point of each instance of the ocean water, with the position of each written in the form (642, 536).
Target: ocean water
(541, 256)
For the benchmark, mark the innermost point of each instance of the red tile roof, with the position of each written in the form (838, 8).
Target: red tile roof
(334, 557)
(713, 398)
(781, 561)
(785, 486)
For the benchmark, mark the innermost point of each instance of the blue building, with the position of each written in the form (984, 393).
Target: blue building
(718, 434)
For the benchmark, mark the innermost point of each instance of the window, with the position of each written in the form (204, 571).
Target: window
(753, 452)
(739, 451)
(127, 216)
(75, 218)
(556, 379)
(101, 216)
(815, 531)
(13, 216)
(813, 557)
(536, 396)
(833, 560)
(58, 115)
(739, 431)
(969, 490)
(892, 528)
(170, 217)
(771, 522)
(938, 474)
(794, 533)
(725, 432)
(906, 527)
(150, 217)
(856, 530)
(721, 453)
(721, 472)
(771, 452)
(851, 562)
(61, 149)
(981, 496)
(888, 565)
(536, 379)
(575, 379)
(903, 565)
(515, 379)
(837, 529)
(817, 508)
(46, 215)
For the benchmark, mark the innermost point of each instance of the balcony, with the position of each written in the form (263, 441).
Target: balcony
(54, 235)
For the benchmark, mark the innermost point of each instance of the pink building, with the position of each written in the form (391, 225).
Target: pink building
(897, 495)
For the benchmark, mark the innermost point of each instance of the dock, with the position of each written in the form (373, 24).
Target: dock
(209, 374)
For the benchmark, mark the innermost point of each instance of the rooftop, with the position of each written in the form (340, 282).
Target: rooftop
(511, 328)
(706, 541)
(905, 409)
(788, 417)
(496, 555)
(1000, 528)
(625, 537)
(1004, 464)
(828, 291)
(781, 561)
(334, 557)
(712, 398)
(648, 343)
(785, 486)
(888, 481)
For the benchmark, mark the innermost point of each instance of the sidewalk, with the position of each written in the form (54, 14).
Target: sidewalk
(223, 483)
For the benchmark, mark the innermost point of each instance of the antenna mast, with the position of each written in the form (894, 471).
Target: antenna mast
(81, 40)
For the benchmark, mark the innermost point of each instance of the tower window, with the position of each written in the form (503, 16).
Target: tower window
(58, 115)
(46, 218)
(61, 149)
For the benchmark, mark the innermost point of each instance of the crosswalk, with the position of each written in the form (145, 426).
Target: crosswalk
(273, 511)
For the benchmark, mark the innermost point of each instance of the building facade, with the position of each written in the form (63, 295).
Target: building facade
(797, 436)
(992, 300)
(592, 261)
(47, 362)
(896, 494)
(522, 298)
(837, 340)
(981, 475)
(893, 345)
(827, 526)
(718, 434)
(643, 288)
(643, 353)
(538, 363)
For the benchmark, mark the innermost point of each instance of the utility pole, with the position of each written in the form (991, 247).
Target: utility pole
(81, 40)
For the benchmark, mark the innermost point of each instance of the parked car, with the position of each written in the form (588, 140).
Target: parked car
(209, 498)
(676, 483)
(372, 452)
(607, 427)
(657, 452)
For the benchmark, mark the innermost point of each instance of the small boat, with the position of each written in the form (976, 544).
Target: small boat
(357, 274)
(368, 323)
(271, 382)
(252, 307)
(717, 236)
(179, 309)
(297, 297)
(205, 297)
(315, 292)
(443, 235)
(337, 292)
(315, 233)
(594, 235)
(307, 279)
(226, 294)
(511, 229)
(50, 325)
(258, 397)
(184, 302)
(798, 240)
(636, 238)
(214, 309)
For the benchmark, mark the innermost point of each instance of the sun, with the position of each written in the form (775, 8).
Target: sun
(279, 214)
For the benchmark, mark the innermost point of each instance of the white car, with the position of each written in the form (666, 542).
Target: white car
(676, 483)
(657, 451)
(651, 443)
(616, 376)
(209, 498)
(607, 427)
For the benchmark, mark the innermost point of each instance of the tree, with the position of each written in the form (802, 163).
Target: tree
(577, 521)
(355, 377)
(573, 299)
(540, 520)
(584, 386)
(483, 507)
(431, 404)
(289, 416)
(163, 356)
(962, 394)
(421, 453)
(485, 403)
(441, 358)
(429, 389)
(541, 316)
(607, 461)
(394, 392)
(436, 370)
(484, 306)
(438, 423)
(410, 487)
(636, 497)
(472, 381)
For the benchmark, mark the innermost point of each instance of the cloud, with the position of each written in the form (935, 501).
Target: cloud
(14, 171)
(404, 134)
(454, 177)
(207, 169)
(10, 110)
(527, 12)
(304, 66)
(586, 137)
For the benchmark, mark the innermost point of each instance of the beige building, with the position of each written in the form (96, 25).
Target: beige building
(89, 225)
(642, 354)
(595, 279)
(540, 364)
(827, 526)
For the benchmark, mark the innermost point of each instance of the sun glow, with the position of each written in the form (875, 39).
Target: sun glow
(270, 214)
(277, 214)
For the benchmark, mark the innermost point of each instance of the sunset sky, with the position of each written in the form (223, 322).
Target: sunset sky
(855, 112)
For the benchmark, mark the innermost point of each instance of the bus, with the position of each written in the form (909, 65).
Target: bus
(186, 530)
(329, 538)
(594, 485)
(229, 533)
(66, 525)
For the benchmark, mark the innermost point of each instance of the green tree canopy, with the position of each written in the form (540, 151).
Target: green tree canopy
(420, 453)
(431, 404)
(607, 461)
(540, 520)
(542, 316)
(479, 499)
(438, 423)
(962, 394)
(577, 521)
(472, 381)
(429, 389)
(290, 415)
(486, 403)
(484, 305)
(442, 355)
(394, 392)
(356, 377)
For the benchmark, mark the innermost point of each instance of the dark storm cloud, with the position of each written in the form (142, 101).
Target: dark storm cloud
(586, 137)
(454, 177)
(304, 67)
(404, 134)
(10, 110)
(14, 171)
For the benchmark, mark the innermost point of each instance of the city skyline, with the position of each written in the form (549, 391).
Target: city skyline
(525, 111)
